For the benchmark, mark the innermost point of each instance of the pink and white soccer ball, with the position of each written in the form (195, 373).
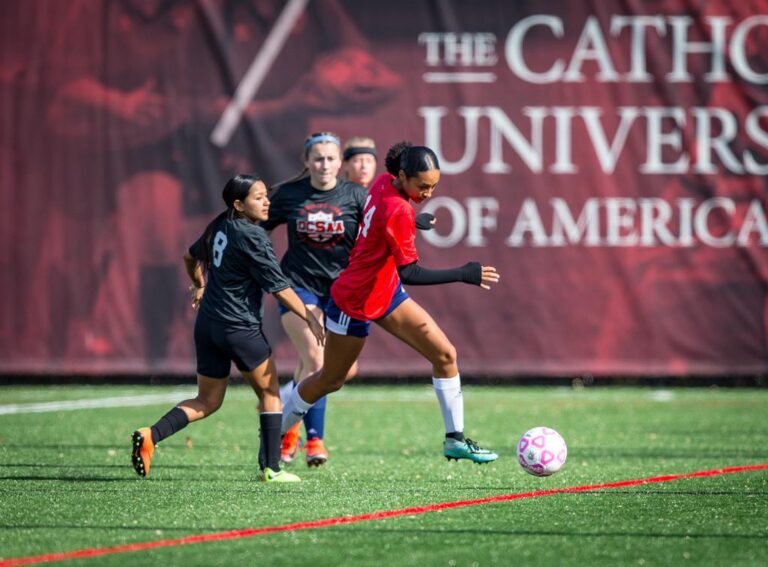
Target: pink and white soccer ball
(541, 451)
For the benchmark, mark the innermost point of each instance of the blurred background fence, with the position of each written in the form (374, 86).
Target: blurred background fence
(609, 157)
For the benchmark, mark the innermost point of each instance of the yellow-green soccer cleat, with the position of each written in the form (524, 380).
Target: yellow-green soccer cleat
(467, 449)
(280, 476)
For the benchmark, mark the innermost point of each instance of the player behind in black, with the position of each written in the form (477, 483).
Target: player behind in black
(236, 255)
(321, 213)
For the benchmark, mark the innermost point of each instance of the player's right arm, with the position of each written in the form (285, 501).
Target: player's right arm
(294, 304)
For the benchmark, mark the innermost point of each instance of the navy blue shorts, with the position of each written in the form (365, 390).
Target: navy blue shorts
(218, 344)
(308, 298)
(340, 323)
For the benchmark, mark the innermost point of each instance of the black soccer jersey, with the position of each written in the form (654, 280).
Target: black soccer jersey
(322, 228)
(243, 267)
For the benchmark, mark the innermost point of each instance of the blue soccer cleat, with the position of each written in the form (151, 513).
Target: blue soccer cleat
(467, 449)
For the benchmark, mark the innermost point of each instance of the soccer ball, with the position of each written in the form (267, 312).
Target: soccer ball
(541, 451)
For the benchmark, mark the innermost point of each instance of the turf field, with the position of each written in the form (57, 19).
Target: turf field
(66, 483)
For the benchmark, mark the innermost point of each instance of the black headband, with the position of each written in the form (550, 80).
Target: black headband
(357, 150)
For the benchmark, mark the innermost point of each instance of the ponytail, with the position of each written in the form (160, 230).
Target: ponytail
(236, 189)
(205, 253)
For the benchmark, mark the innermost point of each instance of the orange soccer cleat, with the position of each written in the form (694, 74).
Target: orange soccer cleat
(143, 448)
(290, 445)
(316, 453)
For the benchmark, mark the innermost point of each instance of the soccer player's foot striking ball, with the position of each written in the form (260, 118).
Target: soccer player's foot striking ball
(467, 449)
(316, 453)
(290, 444)
(280, 476)
(143, 447)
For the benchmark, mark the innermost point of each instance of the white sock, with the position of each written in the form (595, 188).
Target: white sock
(285, 391)
(293, 410)
(449, 395)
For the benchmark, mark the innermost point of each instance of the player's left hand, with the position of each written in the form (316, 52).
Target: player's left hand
(489, 276)
(425, 221)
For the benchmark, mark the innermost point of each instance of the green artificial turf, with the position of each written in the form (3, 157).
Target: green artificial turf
(66, 482)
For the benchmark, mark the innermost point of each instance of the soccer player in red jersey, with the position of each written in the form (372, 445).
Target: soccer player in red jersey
(370, 289)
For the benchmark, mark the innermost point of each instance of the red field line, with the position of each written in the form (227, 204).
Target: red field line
(238, 534)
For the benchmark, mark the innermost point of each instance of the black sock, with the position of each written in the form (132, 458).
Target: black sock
(175, 420)
(269, 452)
(458, 435)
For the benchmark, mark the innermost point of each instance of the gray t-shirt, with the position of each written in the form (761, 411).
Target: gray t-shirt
(322, 228)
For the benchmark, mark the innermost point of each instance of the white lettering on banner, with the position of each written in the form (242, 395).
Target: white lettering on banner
(465, 49)
(566, 230)
(514, 49)
(601, 222)
(528, 222)
(681, 47)
(592, 46)
(727, 136)
(656, 140)
(714, 134)
(701, 222)
(654, 222)
(738, 51)
(759, 136)
(608, 154)
(433, 116)
(482, 214)
(638, 72)
(754, 223)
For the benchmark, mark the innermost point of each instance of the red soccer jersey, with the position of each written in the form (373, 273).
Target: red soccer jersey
(387, 240)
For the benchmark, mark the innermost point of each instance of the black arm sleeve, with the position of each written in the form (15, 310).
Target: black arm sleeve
(425, 221)
(413, 274)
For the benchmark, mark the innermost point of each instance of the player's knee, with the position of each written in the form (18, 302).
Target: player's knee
(334, 383)
(446, 356)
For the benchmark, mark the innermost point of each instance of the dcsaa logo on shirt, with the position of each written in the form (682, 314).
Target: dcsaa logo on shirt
(320, 225)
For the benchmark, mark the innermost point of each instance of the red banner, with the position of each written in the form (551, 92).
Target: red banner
(609, 158)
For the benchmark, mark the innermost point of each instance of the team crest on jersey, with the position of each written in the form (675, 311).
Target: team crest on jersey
(320, 225)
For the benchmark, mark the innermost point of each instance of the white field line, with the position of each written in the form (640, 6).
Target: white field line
(179, 395)
(663, 396)
(354, 395)
(97, 403)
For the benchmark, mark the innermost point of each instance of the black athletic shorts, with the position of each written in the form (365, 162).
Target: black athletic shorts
(218, 344)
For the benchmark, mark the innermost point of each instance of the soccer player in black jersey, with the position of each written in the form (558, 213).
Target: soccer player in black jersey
(322, 213)
(236, 255)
